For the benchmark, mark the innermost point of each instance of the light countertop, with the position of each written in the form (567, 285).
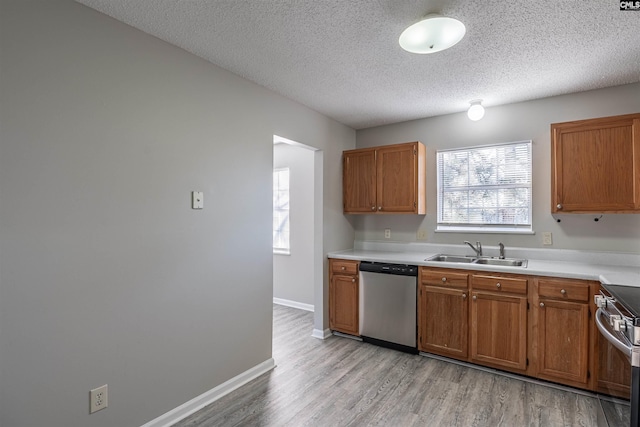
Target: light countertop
(569, 264)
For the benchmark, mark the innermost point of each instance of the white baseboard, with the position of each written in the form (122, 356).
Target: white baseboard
(320, 334)
(294, 304)
(183, 411)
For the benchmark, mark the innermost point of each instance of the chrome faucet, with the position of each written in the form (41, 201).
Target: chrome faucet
(477, 249)
(501, 247)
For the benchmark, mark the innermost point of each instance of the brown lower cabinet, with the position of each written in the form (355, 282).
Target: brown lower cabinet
(536, 326)
(564, 342)
(442, 313)
(343, 296)
(498, 321)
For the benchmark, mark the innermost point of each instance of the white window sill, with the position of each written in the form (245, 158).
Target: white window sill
(485, 230)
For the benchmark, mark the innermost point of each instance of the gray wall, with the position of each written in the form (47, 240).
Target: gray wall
(106, 274)
(293, 273)
(515, 122)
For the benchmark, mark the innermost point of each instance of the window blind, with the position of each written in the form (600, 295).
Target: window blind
(485, 187)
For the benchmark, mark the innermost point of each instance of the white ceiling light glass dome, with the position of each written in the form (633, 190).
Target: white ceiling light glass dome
(476, 110)
(433, 34)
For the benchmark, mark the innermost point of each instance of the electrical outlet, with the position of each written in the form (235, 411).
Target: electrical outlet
(547, 239)
(422, 235)
(387, 233)
(98, 399)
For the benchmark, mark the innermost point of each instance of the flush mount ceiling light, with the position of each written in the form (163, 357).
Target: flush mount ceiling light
(476, 110)
(433, 34)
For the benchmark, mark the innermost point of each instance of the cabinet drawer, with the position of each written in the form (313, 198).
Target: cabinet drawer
(344, 267)
(558, 289)
(443, 277)
(499, 284)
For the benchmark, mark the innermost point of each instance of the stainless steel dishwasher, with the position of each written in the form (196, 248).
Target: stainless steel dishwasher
(388, 305)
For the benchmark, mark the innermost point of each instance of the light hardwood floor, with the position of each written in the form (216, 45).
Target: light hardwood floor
(342, 382)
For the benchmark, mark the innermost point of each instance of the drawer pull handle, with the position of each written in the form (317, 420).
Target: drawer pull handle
(464, 296)
(542, 304)
(343, 268)
(474, 298)
(562, 291)
(498, 285)
(444, 279)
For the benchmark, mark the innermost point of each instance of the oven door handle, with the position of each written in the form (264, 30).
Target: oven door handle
(626, 349)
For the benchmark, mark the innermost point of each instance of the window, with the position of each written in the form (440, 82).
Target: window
(281, 211)
(485, 189)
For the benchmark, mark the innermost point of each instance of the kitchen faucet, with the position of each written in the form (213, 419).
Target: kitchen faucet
(477, 249)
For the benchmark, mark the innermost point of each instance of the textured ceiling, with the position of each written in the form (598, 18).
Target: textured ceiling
(342, 58)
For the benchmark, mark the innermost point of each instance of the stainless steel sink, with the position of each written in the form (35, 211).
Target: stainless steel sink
(506, 262)
(510, 262)
(451, 258)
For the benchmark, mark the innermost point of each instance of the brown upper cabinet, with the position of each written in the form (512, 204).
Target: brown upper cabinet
(388, 179)
(595, 165)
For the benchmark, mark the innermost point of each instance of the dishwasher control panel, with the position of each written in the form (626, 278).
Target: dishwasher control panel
(386, 268)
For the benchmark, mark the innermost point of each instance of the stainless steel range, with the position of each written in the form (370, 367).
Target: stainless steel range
(618, 320)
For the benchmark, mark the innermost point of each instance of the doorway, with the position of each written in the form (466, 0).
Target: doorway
(297, 275)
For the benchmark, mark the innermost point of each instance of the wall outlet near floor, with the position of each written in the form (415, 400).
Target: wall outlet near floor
(422, 235)
(387, 233)
(547, 239)
(98, 399)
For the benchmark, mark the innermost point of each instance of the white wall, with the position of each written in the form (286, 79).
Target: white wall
(515, 122)
(106, 274)
(293, 273)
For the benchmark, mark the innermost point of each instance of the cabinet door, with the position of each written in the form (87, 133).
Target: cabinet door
(596, 165)
(359, 181)
(563, 341)
(343, 304)
(442, 321)
(613, 371)
(499, 330)
(397, 178)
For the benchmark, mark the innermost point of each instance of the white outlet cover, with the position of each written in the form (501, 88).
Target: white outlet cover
(98, 399)
(197, 199)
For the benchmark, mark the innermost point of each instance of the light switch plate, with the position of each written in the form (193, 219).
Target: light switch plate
(547, 238)
(197, 199)
(387, 233)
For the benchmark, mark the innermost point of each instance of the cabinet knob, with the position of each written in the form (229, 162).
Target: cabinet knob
(373, 208)
(444, 279)
(474, 297)
(562, 291)
(379, 208)
(498, 285)
(559, 206)
(353, 280)
(343, 267)
(542, 304)
(464, 296)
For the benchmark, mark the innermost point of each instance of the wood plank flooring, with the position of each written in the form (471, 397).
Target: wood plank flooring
(342, 382)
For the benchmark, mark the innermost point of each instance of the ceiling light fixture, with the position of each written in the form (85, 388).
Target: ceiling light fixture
(476, 110)
(433, 34)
